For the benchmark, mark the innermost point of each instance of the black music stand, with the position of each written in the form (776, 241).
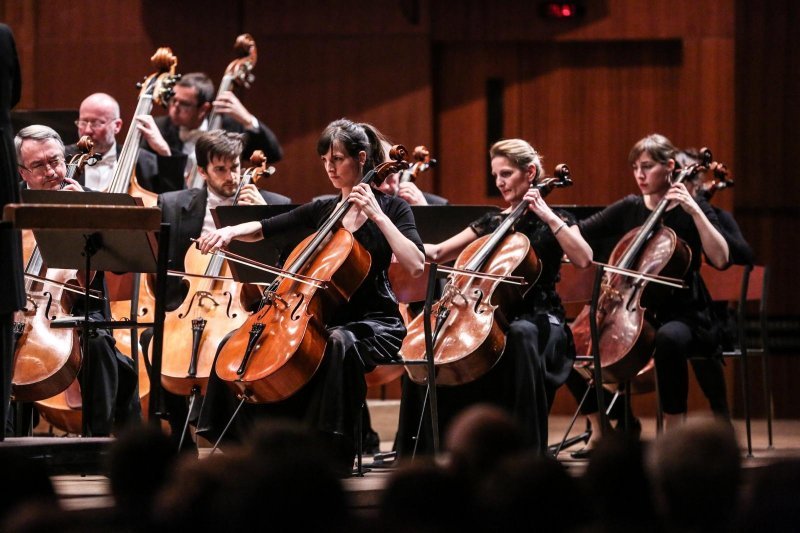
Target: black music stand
(102, 232)
(272, 250)
(436, 223)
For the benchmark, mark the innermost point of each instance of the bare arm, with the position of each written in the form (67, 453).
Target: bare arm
(221, 237)
(449, 249)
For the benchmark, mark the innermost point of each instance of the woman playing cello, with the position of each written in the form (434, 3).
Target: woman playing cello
(682, 319)
(538, 352)
(366, 329)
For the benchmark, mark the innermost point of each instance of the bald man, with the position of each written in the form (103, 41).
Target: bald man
(99, 118)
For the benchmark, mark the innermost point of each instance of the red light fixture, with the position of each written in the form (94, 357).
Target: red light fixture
(561, 10)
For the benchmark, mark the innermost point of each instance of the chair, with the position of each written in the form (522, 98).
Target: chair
(743, 285)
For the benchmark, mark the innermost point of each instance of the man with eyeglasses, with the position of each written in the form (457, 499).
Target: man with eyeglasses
(187, 119)
(114, 384)
(99, 118)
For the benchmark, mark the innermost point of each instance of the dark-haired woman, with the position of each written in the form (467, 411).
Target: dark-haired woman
(365, 330)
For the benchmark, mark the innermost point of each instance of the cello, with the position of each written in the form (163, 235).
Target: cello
(280, 346)
(215, 304)
(626, 336)
(238, 72)
(470, 319)
(46, 361)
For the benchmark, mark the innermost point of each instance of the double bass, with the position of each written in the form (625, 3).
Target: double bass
(215, 304)
(157, 88)
(280, 346)
(626, 336)
(238, 72)
(470, 319)
(46, 360)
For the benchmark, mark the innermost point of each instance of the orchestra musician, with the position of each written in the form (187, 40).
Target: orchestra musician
(539, 351)
(682, 320)
(99, 118)
(188, 110)
(112, 376)
(188, 212)
(365, 330)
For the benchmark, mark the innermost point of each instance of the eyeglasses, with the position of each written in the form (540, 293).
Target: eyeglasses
(95, 124)
(40, 167)
(183, 105)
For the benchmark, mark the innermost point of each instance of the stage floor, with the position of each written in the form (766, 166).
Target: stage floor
(92, 491)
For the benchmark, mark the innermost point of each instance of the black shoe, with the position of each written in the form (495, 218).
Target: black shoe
(372, 443)
(583, 453)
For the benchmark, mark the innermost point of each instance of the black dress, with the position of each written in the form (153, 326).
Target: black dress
(682, 317)
(537, 359)
(366, 330)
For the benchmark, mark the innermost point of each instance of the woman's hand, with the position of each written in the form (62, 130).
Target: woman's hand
(537, 205)
(362, 197)
(221, 237)
(679, 194)
(214, 240)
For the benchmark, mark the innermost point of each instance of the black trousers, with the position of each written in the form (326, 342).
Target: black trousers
(113, 385)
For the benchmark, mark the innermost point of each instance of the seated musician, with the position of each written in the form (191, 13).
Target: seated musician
(708, 371)
(365, 330)
(187, 119)
(113, 381)
(683, 319)
(188, 212)
(539, 351)
(99, 118)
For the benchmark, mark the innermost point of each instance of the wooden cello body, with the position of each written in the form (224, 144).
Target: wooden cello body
(469, 321)
(626, 336)
(472, 338)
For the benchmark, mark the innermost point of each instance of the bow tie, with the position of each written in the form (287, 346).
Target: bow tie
(189, 136)
(108, 160)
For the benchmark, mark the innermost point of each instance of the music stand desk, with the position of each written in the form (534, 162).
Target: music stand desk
(117, 238)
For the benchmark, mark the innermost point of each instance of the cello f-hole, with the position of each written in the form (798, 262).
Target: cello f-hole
(230, 304)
